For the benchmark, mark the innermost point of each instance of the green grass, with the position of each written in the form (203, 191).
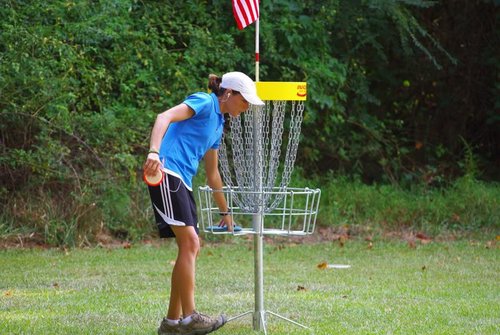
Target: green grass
(465, 207)
(438, 288)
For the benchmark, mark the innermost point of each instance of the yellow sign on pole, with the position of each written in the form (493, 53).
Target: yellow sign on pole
(276, 90)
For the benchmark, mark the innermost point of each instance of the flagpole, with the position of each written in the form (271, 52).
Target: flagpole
(257, 50)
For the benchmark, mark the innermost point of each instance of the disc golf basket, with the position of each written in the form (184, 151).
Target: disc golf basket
(257, 192)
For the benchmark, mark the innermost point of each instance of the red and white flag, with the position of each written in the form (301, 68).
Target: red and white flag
(245, 12)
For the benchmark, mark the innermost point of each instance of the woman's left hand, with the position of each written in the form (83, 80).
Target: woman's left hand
(227, 221)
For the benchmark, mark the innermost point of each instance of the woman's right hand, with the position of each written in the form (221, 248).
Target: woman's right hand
(152, 164)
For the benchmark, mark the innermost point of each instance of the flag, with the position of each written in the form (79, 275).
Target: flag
(245, 12)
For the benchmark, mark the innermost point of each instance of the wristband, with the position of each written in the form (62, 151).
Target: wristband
(223, 213)
(153, 151)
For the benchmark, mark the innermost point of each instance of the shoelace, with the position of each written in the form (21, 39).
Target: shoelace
(202, 317)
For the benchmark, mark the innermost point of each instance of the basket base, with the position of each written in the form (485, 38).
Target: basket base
(260, 320)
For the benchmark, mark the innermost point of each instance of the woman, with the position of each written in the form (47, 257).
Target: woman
(181, 137)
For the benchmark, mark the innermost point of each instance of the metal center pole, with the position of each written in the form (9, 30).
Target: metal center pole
(259, 315)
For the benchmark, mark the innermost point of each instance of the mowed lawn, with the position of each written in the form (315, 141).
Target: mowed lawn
(391, 287)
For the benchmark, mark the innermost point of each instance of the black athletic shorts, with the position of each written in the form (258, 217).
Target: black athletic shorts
(173, 205)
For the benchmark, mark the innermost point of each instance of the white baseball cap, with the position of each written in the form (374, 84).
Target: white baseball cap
(242, 83)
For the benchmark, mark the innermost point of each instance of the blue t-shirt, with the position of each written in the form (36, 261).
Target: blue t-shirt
(186, 142)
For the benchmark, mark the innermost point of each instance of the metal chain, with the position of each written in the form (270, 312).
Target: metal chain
(274, 151)
(296, 117)
(251, 152)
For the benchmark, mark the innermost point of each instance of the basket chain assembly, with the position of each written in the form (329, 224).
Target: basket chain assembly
(239, 144)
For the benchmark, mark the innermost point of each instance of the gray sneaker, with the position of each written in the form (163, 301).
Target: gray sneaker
(167, 329)
(202, 324)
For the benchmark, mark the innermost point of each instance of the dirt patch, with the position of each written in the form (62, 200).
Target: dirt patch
(335, 234)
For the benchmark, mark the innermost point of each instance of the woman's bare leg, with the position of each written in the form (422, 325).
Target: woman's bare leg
(183, 274)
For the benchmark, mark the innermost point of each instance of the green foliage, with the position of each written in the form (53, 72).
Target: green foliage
(82, 81)
(380, 85)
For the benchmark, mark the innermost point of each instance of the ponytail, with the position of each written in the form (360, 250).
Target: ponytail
(214, 84)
